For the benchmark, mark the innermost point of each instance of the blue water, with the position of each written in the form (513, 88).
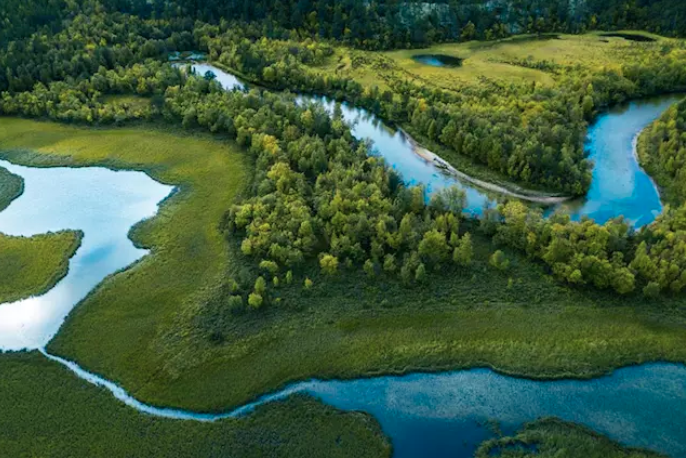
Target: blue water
(437, 60)
(620, 186)
(444, 415)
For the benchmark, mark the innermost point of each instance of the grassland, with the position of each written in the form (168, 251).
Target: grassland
(11, 187)
(148, 328)
(550, 437)
(49, 412)
(30, 266)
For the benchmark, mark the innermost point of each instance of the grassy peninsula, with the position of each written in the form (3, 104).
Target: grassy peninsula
(30, 266)
(11, 187)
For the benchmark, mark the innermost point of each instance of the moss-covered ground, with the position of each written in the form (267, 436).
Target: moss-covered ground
(11, 187)
(30, 266)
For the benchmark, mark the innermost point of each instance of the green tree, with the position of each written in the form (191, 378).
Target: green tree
(464, 252)
(329, 264)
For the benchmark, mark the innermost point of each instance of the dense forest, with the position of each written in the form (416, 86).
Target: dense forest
(400, 23)
(318, 196)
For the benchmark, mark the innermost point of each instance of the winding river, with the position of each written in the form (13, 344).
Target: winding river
(437, 415)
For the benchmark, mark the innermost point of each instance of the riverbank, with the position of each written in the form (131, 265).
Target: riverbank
(509, 191)
(551, 437)
(31, 266)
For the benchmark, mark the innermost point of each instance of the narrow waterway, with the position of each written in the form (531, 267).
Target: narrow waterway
(620, 186)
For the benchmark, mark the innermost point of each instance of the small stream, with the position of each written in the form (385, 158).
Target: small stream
(426, 415)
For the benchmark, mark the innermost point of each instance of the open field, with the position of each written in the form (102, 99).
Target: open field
(148, 328)
(30, 266)
(550, 437)
(48, 412)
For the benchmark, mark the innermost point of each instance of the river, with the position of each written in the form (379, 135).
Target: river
(437, 415)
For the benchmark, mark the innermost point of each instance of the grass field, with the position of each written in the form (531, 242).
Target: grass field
(553, 438)
(145, 328)
(11, 187)
(30, 266)
(48, 412)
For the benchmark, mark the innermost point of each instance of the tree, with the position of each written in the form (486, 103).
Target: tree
(464, 252)
(255, 300)
(420, 273)
(260, 285)
(369, 268)
(433, 248)
(329, 264)
(499, 260)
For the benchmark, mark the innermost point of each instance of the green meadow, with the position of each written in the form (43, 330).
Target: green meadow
(149, 327)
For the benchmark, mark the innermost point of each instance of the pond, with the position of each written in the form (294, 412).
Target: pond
(438, 60)
(105, 205)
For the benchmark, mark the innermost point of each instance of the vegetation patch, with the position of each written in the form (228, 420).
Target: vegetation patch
(48, 411)
(551, 437)
(30, 266)
(11, 187)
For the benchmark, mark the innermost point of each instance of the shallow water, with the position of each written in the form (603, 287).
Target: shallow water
(103, 204)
